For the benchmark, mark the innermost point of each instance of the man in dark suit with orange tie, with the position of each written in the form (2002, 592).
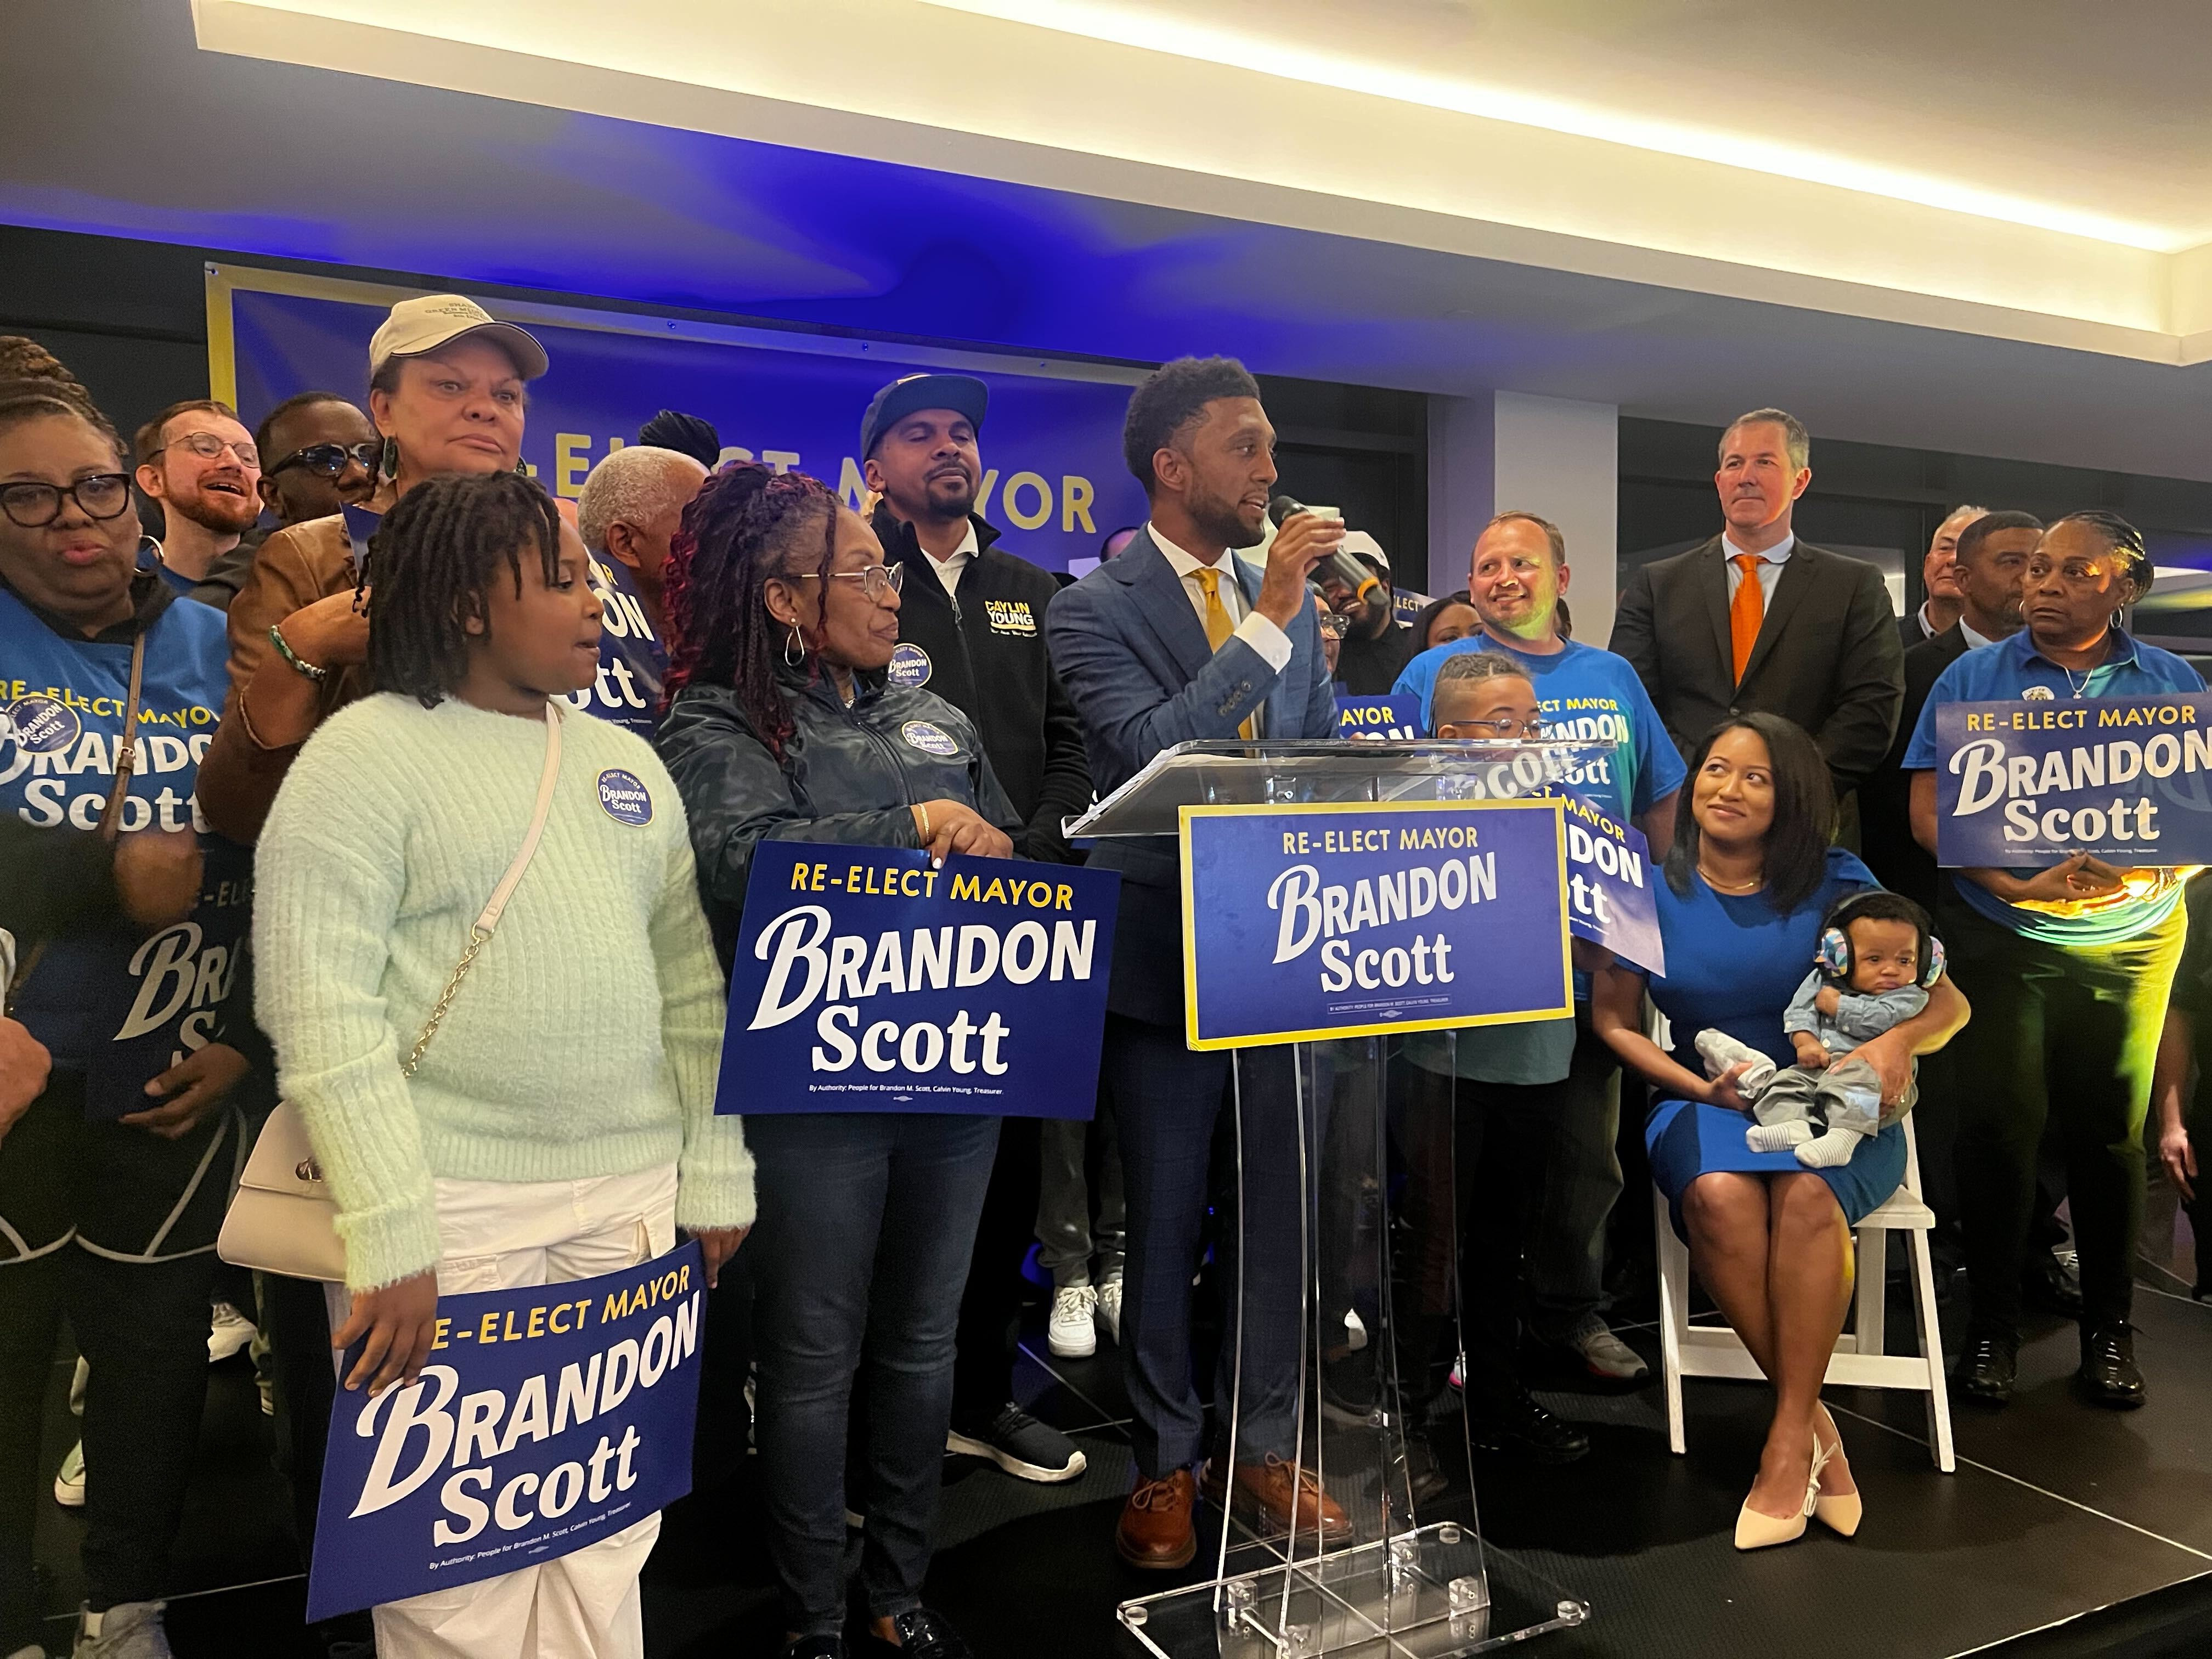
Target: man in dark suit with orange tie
(1756, 619)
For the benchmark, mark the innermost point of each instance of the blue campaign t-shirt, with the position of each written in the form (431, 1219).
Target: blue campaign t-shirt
(120, 1006)
(1586, 696)
(2003, 672)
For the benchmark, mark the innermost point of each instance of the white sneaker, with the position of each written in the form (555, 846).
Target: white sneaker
(229, 1333)
(129, 1629)
(1110, 1310)
(69, 1485)
(1072, 1331)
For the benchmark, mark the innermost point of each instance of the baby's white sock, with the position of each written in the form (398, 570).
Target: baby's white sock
(1831, 1151)
(1777, 1137)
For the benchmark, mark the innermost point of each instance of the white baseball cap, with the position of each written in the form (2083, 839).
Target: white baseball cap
(429, 321)
(1366, 546)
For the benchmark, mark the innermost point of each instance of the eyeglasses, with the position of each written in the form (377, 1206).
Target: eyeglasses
(99, 495)
(1504, 729)
(330, 459)
(873, 580)
(1336, 626)
(209, 448)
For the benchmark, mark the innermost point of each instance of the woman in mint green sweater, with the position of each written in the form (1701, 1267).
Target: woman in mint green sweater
(562, 1123)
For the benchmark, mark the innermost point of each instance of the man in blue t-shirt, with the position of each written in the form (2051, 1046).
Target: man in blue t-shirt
(2068, 970)
(1515, 577)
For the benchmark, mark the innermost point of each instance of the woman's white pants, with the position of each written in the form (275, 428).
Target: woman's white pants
(505, 1235)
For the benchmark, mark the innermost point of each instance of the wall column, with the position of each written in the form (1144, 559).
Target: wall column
(1553, 456)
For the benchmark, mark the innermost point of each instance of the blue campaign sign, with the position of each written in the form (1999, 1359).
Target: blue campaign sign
(867, 979)
(547, 1419)
(1309, 922)
(1054, 477)
(1609, 886)
(1378, 717)
(2124, 778)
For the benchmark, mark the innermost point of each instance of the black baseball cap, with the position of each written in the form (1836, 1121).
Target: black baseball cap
(963, 394)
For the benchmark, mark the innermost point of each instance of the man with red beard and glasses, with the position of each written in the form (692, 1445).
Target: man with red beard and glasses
(198, 461)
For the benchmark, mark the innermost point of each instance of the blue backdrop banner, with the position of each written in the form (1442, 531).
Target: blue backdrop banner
(2124, 778)
(1304, 922)
(867, 979)
(1053, 476)
(1378, 717)
(547, 1419)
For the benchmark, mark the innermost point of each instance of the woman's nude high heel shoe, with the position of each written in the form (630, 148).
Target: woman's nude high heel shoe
(1843, 1512)
(1755, 1531)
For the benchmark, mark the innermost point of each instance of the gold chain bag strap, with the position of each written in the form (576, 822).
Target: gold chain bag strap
(281, 1220)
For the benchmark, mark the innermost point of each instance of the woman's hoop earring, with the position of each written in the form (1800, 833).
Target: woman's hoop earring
(795, 649)
(146, 539)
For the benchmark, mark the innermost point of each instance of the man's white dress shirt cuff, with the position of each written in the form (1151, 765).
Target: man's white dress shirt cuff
(1270, 642)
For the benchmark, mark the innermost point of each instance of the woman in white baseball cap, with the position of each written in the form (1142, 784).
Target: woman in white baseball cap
(446, 391)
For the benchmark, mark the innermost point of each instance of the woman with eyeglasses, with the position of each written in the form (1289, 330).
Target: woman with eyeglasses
(782, 726)
(447, 393)
(112, 1180)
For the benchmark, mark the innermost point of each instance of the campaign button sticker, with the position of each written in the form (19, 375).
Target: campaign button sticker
(42, 725)
(910, 666)
(626, 799)
(2037, 694)
(920, 734)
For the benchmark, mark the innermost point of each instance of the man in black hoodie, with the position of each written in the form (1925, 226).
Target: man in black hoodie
(971, 628)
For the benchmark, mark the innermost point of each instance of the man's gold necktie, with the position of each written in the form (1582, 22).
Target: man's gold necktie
(1218, 629)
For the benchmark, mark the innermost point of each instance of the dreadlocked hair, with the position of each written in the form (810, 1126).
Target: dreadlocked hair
(746, 526)
(434, 557)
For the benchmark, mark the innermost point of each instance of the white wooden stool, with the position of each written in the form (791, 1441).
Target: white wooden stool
(1688, 1349)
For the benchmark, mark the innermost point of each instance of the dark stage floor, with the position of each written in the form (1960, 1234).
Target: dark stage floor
(2056, 1513)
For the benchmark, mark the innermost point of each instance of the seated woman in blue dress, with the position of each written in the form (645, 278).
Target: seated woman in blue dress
(1749, 876)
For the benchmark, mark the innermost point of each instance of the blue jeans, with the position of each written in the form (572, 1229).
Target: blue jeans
(859, 1256)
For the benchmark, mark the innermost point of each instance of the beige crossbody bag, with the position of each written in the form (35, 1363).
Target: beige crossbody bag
(281, 1218)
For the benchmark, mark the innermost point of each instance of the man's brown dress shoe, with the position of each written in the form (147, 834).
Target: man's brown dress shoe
(1156, 1532)
(1267, 1493)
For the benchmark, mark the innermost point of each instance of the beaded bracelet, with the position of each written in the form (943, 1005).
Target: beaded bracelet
(299, 663)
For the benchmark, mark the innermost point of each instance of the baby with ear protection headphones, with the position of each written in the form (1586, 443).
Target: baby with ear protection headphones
(1875, 960)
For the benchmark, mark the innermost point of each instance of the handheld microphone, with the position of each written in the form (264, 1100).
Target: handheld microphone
(1353, 575)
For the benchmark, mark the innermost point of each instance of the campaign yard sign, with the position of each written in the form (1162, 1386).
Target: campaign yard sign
(867, 979)
(547, 1419)
(1378, 717)
(1609, 886)
(1304, 922)
(2127, 780)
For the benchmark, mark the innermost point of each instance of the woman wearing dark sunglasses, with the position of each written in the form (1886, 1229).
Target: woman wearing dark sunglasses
(113, 1180)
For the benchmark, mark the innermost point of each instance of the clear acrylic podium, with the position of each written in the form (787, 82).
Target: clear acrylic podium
(1344, 1178)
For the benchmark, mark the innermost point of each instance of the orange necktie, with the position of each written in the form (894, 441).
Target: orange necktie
(1746, 610)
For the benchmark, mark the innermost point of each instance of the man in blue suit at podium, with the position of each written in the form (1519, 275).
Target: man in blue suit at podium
(1177, 639)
